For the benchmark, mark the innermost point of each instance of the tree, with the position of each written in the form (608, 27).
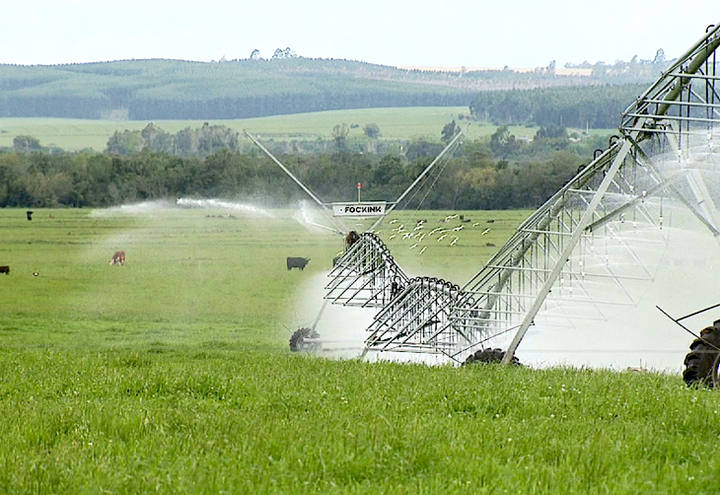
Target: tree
(125, 143)
(339, 134)
(502, 142)
(26, 144)
(448, 131)
(287, 52)
(372, 131)
(659, 57)
(551, 132)
(422, 148)
(155, 139)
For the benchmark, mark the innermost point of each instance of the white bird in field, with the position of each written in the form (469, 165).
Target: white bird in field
(442, 237)
(434, 230)
(393, 221)
(454, 241)
(391, 237)
(476, 224)
(422, 250)
(458, 228)
(421, 237)
(408, 235)
(413, 246)
(450, 217)
(418, 226)
(485, 231)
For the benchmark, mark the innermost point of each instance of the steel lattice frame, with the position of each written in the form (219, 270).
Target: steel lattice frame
(366, 276)
(414, 319)
(544, 263)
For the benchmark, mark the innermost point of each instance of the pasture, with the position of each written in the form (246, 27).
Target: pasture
(394, 123)
(172, 374)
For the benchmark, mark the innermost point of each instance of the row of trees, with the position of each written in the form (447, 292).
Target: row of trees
(202, 141)
(480, 175)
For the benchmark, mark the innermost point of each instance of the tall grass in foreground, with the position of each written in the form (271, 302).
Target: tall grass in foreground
(224, 419)
(172, 375)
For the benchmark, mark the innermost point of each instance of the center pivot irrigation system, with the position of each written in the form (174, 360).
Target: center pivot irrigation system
(592, 233)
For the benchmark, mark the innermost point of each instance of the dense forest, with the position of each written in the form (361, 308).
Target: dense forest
(174, 89)
(500, 173)
(592, 106)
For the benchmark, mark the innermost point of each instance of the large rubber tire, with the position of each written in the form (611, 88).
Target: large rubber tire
(298, 342)
(702, 360)
(486, 356)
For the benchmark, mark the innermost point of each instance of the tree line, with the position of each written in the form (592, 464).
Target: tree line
(500, 173)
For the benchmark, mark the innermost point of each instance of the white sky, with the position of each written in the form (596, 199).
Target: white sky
(495, 33)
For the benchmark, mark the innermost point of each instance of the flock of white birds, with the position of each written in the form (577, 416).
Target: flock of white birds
(419, 235)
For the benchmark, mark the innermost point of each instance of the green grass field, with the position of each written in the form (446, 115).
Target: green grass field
(172, 374)
(394, 123)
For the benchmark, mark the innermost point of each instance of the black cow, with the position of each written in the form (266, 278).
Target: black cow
(293, 262)
(5, 270)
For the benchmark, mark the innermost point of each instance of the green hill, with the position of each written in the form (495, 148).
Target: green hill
(174, 89)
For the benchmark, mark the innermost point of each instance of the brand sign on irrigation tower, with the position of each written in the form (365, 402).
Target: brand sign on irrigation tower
(366, 209)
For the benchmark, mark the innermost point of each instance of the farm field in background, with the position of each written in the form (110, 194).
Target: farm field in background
(394, 123)
(172, 374)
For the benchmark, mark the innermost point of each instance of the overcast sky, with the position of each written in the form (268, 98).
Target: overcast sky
(523, 33)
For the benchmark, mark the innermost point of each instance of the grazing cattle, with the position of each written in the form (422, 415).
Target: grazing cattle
(294, 262)
(118, 258)
(5, 270)
(29, 214)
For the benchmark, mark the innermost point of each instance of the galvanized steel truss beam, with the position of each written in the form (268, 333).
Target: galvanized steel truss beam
(366, 275)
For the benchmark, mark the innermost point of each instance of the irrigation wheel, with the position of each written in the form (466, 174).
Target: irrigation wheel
(486, 356)
(299, 340)
(701, 363)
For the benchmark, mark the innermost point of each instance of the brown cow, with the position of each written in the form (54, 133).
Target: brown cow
(118, 258)
(351, 238)
(5, 269)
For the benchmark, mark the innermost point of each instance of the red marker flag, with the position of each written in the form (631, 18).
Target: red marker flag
(359, 185)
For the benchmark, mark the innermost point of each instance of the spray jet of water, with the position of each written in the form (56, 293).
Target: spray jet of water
(141, 208)
(220, 204)
(304, 216)
(342, 228)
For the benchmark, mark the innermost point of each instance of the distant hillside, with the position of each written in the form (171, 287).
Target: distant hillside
(173, 89)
